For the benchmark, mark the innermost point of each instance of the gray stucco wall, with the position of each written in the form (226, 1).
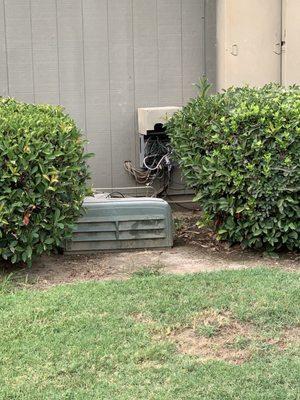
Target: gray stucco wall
(102, 59)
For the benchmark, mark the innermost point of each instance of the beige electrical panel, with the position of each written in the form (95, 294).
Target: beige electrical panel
(291, 42)
(149, 117)
(248, 42)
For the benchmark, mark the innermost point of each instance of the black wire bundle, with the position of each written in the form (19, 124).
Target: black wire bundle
(157, 163)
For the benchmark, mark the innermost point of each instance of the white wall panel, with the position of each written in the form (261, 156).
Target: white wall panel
(120, 21)
(3, 55)
(249, 42)
(101, 59)
(45, 52)
(192, 33)
(97, 89)
(291, 37)
(170, 52)
(19, 49)
(71, 61)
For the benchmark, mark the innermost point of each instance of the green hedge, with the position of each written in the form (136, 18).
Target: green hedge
(43, 176)
(240, 151)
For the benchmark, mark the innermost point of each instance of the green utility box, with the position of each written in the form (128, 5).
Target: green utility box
(122, 223)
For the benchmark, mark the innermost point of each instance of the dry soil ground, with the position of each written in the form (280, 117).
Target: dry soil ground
(194, 250)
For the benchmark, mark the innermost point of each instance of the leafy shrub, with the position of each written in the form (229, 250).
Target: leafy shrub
(240, 151)
(42, 178)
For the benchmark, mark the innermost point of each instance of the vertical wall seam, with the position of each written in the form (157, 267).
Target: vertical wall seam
(133, 79)
(281, 48)
(57, 49)
(226, 44)
(204, 37)
(109, 95)
(6, 47)
(157, 45)
(181, 50)
(32, 56)
(84, 72)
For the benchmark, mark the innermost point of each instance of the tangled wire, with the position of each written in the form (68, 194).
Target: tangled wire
(157, 164)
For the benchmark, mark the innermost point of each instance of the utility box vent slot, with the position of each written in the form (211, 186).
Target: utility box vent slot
(122, 223)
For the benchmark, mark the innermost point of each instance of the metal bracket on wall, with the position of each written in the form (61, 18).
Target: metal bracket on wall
(278, 48)
(235, 50)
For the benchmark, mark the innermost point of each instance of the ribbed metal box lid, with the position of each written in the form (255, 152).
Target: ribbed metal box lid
(122, 223)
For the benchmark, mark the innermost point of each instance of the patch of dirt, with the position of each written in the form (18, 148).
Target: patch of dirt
(141, 318)
(293, 334)
(290, 335)
(221, 344)
(188, 233)
(188, 342)
(195, 250)
(219, 336)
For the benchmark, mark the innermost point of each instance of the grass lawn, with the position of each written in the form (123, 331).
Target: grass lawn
(222, 335)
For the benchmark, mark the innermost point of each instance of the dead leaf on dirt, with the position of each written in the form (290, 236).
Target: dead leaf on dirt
(26, 218)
